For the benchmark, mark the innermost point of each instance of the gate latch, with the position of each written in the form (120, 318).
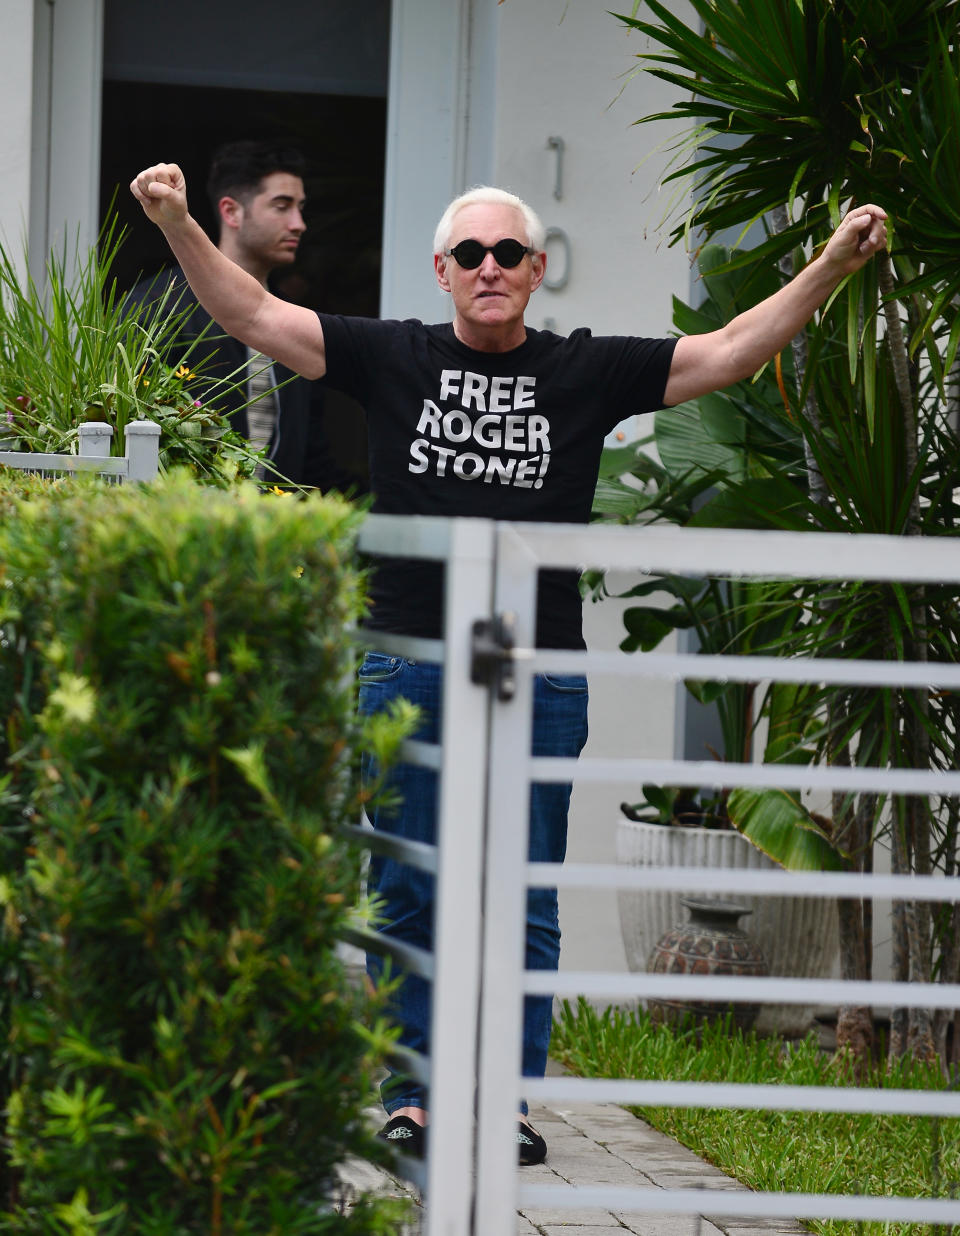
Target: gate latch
(493, 653)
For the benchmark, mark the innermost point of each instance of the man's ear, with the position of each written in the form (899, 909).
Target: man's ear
(231, 212)
(538, 268)
(440, 266)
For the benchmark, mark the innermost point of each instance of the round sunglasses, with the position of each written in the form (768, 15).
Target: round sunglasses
(470, 253)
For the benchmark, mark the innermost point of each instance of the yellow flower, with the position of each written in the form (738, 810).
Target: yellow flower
(185, 372)
(281, 493)
(75, 699)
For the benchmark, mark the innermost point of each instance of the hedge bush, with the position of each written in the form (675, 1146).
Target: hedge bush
(187, 1052)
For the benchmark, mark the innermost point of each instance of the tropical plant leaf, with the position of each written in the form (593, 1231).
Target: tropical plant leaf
(777, 823)
(648, 627)
(686, 443)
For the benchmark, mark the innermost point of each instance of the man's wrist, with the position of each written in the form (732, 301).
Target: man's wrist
(181, 225)
(826, 273)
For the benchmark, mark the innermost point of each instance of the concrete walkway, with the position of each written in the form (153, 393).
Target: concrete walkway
(597, 1144)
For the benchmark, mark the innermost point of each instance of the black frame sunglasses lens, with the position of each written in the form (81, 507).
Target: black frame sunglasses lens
(507, 253)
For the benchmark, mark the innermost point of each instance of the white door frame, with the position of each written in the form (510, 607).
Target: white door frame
(65, 155)
(440, 131)
(440, 126)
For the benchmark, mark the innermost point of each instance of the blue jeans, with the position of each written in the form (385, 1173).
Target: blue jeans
(407, 894)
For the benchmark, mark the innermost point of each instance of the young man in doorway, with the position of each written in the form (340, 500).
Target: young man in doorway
(256, 191)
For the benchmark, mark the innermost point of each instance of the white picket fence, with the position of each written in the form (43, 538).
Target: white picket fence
(470, 1181)
(140, 463)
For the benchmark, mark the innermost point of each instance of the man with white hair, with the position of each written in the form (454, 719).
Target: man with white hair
(484, 416)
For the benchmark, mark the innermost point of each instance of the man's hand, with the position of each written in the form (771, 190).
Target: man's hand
(861, 234)
(162, 192)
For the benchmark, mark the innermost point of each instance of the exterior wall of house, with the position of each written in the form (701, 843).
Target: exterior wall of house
(16, 106)
(563, 73)
(67, 58)
(565, 70)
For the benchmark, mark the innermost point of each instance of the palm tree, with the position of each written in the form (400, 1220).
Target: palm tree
(795, 109)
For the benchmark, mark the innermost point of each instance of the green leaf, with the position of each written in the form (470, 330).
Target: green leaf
(777, 823)
(646, 628)
(615, 461)
(680, 586)
(762, 502)
(690, 321)
(788, 706)
(660, 799)
(697, 437)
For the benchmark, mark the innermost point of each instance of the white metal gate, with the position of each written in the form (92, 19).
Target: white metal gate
(470, 1179)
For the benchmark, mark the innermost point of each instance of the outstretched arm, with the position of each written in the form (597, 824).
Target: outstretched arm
(287, 333)
(709, 362)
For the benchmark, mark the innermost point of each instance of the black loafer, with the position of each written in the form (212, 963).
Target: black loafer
(531, 1148)
(405, 1135)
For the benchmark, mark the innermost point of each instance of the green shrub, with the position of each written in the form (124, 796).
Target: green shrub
(187, 1051)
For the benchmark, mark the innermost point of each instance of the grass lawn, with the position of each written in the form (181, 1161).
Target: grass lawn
(796, 1152)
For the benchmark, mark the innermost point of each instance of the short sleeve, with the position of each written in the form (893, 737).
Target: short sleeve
(637, 373)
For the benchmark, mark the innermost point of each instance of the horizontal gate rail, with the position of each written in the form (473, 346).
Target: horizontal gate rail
(739, 553)
(414, 853)
(749, 881)
(726, 668)
(410, 536)
(744, 1096)
(743, 989)
(424, 754)
(727, 1203)
(38, 461)
(411, 646)
(770, 776)
(414, 959)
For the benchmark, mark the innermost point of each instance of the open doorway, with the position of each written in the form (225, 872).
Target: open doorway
(312, 74)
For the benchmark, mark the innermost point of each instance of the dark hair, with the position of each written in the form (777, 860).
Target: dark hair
(237, 168)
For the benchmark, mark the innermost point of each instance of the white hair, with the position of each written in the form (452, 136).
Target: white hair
(536, 233)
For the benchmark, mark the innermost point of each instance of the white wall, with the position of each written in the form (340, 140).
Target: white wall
(629, 717)
(16, 101)
(50, 136)
(70, 45)
(562, 72)
(563, 69)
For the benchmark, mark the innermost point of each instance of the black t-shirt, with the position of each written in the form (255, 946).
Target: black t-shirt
(499, 435)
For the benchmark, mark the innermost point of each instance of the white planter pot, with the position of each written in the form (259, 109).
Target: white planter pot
(799, 936)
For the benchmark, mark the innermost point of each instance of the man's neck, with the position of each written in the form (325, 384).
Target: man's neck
(492, 339)
(246, 262)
